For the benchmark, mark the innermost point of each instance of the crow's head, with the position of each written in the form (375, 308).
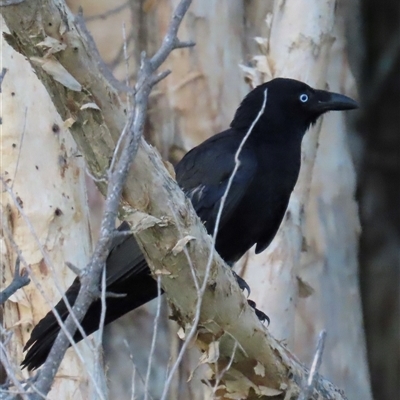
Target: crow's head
(288, 104)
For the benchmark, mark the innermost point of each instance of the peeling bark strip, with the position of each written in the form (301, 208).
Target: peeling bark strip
(261, 366)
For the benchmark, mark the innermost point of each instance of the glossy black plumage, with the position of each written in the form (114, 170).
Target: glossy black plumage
(254, 209)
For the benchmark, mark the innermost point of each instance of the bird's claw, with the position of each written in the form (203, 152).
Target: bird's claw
(260, 315)
(242, 283)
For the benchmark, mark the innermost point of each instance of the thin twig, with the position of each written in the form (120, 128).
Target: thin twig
(154, 339)
(107, 13)
(220, 375)
(142, 380)
(308, 388)
(120, 54)
(94, 52)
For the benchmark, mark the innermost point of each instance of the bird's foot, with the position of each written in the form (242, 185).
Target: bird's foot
(260, 315)
(242, 283)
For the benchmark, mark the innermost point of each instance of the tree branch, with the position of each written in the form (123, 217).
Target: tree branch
(18, 282)
(157, 208)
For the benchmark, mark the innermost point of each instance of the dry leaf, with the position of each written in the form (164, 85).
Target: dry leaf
(58, 72)
(142, 221)
(266, 391)
(181, 244)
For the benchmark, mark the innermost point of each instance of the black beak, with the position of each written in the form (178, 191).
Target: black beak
(328, 101)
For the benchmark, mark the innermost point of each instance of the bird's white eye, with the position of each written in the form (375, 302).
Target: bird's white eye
(303, 98)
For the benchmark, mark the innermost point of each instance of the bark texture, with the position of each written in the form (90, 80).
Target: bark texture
(40, 164)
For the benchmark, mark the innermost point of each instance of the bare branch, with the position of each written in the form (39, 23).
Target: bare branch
(181, 45)
(170, 41)
(18, 282)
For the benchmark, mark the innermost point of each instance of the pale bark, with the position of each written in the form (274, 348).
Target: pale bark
(40, 164)
(165, 213)
(317, 244)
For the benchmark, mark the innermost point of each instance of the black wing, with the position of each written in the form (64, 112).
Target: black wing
(204, 173)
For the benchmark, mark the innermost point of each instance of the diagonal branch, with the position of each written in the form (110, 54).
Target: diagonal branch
(133, 129)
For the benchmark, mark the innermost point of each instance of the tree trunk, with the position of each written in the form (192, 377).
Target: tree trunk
(41, 166)
(308, 278)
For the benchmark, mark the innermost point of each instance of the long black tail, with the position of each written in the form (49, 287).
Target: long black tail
(126, 272)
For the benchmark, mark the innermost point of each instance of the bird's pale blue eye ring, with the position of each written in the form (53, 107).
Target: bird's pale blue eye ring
(303, 98)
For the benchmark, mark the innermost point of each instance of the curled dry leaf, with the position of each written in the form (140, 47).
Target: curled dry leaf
(267, 391)
(58, 72)
(142, 221)
(90, 105)
(181, 244)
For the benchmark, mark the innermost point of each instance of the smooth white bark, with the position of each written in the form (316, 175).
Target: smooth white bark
(39, 161)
